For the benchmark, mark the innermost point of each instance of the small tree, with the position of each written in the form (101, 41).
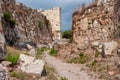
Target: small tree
(67, 34)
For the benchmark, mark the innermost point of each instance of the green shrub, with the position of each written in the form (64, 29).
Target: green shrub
(40, 24)
(18, 75)
(12, 58)
(7, 15)
(39, 52)
(94, 63)
(63, 78)
(81, 54)
(12, 22)
(67, 34)
(53, 52)
(82, 59)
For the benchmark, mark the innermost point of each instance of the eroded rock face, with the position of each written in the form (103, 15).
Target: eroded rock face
(31, 65)
(3, 74)
(30, 25)
(94, 23)
(2, 38)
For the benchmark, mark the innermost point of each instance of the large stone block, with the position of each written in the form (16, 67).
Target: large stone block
(31, 65)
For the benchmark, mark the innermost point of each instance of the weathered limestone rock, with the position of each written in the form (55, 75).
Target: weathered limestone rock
(31, 65)
(6, 63)
(3, 74)
(2, 38)
(109, 47)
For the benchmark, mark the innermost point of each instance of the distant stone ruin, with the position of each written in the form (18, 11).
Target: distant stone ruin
(94, 23)
(54, 16)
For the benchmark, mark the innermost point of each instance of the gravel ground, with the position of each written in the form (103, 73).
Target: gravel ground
(70, 71)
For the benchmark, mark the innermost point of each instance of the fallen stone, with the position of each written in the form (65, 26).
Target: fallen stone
(2, 48)
(6, 63)
(29, 46)
(31, 65)
(95, 44)
(33, 52)
(3, 74)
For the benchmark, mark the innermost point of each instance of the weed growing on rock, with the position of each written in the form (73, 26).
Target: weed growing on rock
(97, 54)
(40, 52)
(53, 52)
(63, 78)
(7, 15)
(40, 25)
(82, 59)
(18, 75)
(12, 58)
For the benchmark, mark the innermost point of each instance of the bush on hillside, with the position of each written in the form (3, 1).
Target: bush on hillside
(67, 34)
(7, 15)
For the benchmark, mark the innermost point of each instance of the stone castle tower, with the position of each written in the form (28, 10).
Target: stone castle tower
(54, 17)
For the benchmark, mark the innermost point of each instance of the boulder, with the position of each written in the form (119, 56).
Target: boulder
(31, 65)
(2, 47)
(109, 47)
(3, 74)
(29, 46)
(6, 63)
(33, 52)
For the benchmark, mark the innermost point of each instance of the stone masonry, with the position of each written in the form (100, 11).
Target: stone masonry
(54, 16)
(117, 17)
(94, 23)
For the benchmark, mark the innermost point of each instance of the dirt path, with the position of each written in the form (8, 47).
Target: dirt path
(70, 71)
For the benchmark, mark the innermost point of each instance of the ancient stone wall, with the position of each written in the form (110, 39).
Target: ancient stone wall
(54, 16)
(117, 17)
(94, 23)
(30, 25)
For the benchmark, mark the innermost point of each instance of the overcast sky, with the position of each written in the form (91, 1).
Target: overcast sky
(68, 6)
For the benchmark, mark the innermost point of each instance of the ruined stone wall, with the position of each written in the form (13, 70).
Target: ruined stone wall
(30, 25)
(117, 17)
(94, 23)
(54, 16)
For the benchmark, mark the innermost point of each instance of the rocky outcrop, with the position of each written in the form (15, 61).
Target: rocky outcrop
(3, 74)
(94, 23)
(2, 38)
(19, 23)
(25, 24)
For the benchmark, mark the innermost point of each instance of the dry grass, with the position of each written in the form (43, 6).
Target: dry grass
(13, 50)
